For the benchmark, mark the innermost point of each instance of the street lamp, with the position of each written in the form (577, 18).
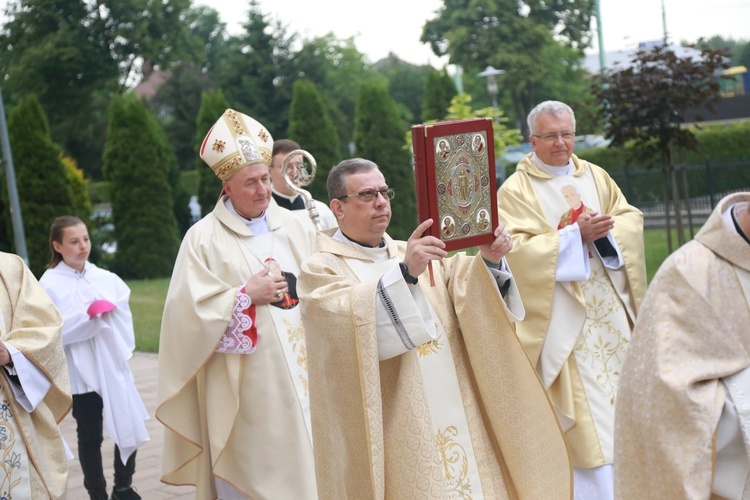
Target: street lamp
(491, 74)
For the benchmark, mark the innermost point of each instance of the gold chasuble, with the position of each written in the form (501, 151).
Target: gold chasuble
(243, 418)
(691, 338)
(463, 415)
(34, 463)
(576, 333)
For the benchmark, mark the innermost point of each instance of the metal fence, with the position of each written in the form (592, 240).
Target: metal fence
(707, 185)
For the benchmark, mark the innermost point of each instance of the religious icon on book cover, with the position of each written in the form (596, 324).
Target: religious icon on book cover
(455, 171)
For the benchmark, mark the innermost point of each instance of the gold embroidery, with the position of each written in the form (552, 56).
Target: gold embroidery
(428, 348)
(455, 464)
(11, 460)
(602, 342)
(235, 123)
(219, 145)
(223, 171)
(296, 337)
(266, 154)
(263, 135)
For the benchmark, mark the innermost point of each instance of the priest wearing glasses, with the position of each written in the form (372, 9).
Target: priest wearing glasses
(579, 262)
(419, 391)
(233, 391)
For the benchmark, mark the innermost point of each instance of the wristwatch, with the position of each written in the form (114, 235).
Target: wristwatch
(412, 280)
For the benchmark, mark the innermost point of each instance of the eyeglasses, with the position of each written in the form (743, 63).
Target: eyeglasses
(371, 194)
(565, 136)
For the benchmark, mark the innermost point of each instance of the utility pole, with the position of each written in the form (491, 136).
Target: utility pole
(458, 78)
(600, 34)
(10, 179)
(664, 21)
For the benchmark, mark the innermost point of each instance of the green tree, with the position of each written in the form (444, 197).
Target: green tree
(180, 197)
(439, 89)
(79, 184)
(510, 35)
(177, 100)
(312, 128)
(43, 189)
(176, 105)
(738, 50)
(742, 57)
(335, 67)
(461, 109)
(74, 55)
(136, 163)
(207, 36)
(406, 84)
(213, 105)
(644, 105)
(379, 137)
(256, 73)
(6, 230)
(82, 207)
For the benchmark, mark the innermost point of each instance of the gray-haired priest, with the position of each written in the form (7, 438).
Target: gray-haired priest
(232, 388)
(419, 391)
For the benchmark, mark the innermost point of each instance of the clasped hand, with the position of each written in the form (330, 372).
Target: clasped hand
(594, 226)
(265, 288)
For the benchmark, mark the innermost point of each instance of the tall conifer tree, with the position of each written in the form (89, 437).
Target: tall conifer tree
(213, 105)
(312, 128)
(379, 136)
(438, 91)
(137, 163)
(43, 189)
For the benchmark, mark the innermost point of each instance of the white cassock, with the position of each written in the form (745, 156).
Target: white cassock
(98, 348)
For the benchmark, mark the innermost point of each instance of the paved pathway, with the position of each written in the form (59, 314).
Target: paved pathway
(148, 461)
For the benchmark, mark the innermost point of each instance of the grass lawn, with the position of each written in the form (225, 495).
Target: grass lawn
(147, 303)
(655, 242)
(148, 296)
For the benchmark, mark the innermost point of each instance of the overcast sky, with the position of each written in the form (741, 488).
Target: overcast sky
(395, 26)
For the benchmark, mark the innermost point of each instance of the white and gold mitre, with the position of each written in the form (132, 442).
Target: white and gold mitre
(234, 142)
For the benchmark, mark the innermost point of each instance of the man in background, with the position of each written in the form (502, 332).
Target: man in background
(582, 277)
(285, 196)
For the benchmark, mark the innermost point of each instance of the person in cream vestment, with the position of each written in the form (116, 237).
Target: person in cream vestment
(34, 386)
(683, 414)
(578, 258)
(233, 390)
(419, 391)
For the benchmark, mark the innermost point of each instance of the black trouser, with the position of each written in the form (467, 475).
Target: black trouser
(87, 410)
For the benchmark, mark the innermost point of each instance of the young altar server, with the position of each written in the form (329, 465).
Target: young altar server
(98, 339)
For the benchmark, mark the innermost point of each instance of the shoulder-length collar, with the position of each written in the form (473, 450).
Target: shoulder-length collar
(722, 240)
(236, 224)
(326, 243)
(527, 164)
(62, 267)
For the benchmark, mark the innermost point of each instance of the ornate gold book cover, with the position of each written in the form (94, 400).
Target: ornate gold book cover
(454, 165)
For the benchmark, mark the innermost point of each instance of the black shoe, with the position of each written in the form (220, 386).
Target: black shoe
(126, 494)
